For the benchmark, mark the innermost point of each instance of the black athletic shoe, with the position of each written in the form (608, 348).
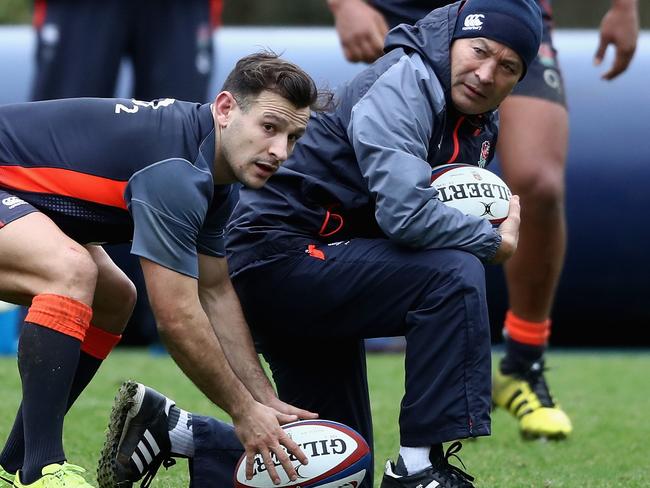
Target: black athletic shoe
(440, 474)
(137, 442)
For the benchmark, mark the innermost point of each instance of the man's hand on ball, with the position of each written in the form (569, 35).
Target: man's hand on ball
(259, 431)
(509, 231)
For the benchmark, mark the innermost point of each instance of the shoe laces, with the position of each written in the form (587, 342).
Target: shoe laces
(452, 475)
(537, 382)
(153, 469)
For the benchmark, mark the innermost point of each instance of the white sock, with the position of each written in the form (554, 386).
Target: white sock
(181, 434)
(415, 459)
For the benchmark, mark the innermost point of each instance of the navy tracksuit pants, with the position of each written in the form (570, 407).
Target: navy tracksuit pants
(310, 311)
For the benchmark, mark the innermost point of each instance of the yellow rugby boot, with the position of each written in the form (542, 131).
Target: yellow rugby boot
(57, 476)
(6, 478)
(527, 397)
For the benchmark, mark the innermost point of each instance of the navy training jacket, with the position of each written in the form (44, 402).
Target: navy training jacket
(364, 169)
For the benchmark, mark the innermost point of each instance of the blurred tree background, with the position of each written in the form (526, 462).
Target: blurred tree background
(15, 11)
(568, 13)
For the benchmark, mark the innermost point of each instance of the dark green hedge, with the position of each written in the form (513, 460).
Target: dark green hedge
(568, 13)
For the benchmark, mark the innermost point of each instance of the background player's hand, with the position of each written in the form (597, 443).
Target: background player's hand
(620, 27)
(509, 230)
(361, 29)
(290, 411)
(258, 428)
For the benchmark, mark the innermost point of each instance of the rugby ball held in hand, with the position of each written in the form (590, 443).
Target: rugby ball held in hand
(472, 190)
(338, 458)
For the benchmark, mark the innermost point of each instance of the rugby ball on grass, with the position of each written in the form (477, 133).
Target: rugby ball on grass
(338, 458)
(472, 190)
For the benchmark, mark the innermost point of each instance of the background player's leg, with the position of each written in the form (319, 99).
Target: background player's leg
(532, 150)
(172, 52)
(37, 260)
(79, 49)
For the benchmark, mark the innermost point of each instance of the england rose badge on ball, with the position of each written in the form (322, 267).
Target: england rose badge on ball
(472, 190)
(338, 458)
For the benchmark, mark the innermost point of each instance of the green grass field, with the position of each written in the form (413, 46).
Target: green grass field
(606, 394)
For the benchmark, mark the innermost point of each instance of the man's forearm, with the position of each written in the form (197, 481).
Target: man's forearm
(222, 307)
(195, 348)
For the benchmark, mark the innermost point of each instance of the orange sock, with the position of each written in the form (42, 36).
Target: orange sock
(99, 343)
(63, 314)
(526, 332)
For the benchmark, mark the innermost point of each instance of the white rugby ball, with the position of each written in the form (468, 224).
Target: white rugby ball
(472, 190)
(338, 458)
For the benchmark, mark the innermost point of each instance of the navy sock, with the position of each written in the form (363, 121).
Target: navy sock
(86, 369)
(519, 357)
(11, 458)
(12, 455)
(47, 361)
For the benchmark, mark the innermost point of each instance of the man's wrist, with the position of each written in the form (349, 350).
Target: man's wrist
(260, 387)
(241, 407)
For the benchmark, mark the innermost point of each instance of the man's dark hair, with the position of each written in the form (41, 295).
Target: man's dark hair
(267, 71)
